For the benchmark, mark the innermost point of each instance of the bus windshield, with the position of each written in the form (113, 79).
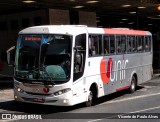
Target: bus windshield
(43, 57)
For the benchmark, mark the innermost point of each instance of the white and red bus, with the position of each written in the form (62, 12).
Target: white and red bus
(69, 64)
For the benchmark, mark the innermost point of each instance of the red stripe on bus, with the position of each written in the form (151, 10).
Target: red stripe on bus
(123, 88)
(126, 32)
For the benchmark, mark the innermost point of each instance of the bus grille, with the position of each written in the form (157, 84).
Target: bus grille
(38, 94)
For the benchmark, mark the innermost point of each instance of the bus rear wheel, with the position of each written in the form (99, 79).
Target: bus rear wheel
(133, 85)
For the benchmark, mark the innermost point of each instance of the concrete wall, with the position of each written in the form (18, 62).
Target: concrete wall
(9, 33)
(62, 17)
(15, 23)
(11, 24)
(87, 18)
(58, 17)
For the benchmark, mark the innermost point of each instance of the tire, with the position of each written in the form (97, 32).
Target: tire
(89, 101)
(132, 88)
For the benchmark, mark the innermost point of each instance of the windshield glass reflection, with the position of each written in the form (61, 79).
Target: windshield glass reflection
(44, 57)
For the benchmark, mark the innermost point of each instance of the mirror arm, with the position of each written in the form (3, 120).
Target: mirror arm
(13, 47)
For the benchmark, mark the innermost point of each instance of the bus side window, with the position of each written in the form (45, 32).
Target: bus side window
(140, 43)
(129, 44)
(95, 45)
(147, 44)
(118, 44)
(112, 44)
(134, 44)
(143, 43)
(106, 44)
(123, 44)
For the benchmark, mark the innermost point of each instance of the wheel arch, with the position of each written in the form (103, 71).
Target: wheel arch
(94, 88)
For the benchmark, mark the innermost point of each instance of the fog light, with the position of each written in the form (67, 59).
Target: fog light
(65, 101)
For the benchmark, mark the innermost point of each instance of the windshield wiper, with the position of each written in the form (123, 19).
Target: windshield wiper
(33, 76)
(36, 74)
(45, 72)
(43, 67)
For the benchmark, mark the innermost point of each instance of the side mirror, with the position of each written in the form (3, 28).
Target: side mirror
(75, 49)
(10, 56)
(78, 59)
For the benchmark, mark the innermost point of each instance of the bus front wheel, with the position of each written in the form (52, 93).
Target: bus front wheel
(89, 101)
(92, 95)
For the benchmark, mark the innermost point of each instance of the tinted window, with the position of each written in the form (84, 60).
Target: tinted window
(120, 44)
(147, 43)
(112, 44)
(106, 45)
(134, 46)
(95, 45)
(140, 43)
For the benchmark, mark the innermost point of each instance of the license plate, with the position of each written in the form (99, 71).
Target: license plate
(38, 100)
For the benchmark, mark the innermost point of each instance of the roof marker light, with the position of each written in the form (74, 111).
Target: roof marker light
(125, 6)
(92, 1)
(132, 12)
(28, 1)
(78, 6)
(141, 7)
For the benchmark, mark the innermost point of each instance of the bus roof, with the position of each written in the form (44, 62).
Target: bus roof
(78, 29)
(55, 29)
(126, 31)
(118, 31)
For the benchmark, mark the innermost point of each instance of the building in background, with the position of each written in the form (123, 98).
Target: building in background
(135, 14)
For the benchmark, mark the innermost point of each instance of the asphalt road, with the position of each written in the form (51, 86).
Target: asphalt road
(143, 105)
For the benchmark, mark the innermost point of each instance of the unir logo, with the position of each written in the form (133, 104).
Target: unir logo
(110, 70)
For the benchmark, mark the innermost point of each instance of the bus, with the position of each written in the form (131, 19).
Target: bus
(64, 65)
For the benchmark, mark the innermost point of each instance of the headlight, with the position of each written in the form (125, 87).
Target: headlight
(61, 91)
(16, 86)
(19, 90)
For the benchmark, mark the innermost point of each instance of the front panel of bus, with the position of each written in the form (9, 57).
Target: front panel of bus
(43, 68)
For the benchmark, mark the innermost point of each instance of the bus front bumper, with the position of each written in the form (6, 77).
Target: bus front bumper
(60, 100)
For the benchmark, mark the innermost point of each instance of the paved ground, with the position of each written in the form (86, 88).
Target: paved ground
(143, 102)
